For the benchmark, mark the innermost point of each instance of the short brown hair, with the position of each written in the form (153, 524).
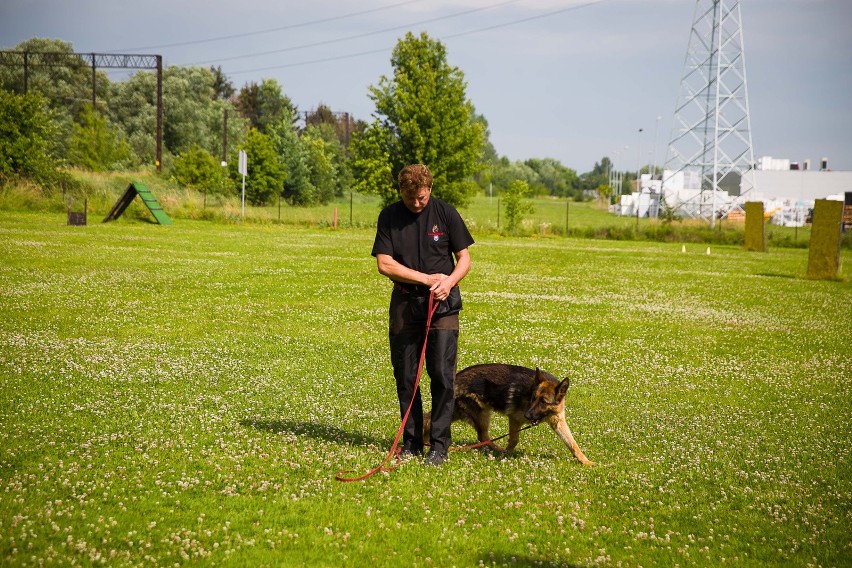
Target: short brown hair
(414, 177)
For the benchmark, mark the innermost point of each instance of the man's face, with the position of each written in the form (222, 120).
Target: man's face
(417, 200)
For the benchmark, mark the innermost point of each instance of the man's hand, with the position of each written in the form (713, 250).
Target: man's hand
(441, 287)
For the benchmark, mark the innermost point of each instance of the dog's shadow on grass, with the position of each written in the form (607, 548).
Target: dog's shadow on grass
(334, 434)
(505, 456)
(314, 430)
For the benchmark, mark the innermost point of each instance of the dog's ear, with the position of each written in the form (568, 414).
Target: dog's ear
(562, 389)
(539, 377)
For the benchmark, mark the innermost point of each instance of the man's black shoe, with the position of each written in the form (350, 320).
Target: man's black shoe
(410, 452)
(435, 458)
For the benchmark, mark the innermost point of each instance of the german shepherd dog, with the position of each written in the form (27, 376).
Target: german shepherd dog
(523, 395)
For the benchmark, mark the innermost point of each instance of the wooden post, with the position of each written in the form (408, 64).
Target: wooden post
(567, 208)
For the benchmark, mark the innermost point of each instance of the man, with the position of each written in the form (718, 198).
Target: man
(422, 246)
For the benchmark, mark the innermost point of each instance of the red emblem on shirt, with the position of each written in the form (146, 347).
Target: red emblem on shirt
(435, 234)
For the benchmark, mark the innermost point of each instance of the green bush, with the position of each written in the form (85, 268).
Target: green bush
(95, 146)
(27, 138)
(198, 169)
(516, 203)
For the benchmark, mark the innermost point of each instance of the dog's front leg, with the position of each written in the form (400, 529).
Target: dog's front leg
(561, 428)
(482, 424)
(514, 432)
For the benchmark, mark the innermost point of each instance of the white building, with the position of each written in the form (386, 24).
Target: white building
(787, 190)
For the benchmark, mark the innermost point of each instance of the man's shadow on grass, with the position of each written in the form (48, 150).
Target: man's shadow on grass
(334, 434)
(315, 430)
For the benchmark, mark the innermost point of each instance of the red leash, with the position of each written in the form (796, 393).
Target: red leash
(487, 442)
(393, 452)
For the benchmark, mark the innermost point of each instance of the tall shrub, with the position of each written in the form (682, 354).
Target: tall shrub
(27, 138)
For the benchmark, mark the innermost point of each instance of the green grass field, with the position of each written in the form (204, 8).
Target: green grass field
(186, 395)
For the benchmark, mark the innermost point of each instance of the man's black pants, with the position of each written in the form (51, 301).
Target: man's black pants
(406, 344)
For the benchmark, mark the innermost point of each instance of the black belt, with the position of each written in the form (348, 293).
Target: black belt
(413, 289)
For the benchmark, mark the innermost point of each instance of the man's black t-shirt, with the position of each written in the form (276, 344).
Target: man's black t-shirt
(422, 241)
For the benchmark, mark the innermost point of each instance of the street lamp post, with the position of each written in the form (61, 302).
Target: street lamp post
(638, 173)
(654, 155)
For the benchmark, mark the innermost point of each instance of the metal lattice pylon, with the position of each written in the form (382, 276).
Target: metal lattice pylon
(710, 148)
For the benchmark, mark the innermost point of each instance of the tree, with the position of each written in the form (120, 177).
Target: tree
(516, 207)
(223, 88)
(371, 163)
(322, 172)
(556, 179)
(264, 105)
(598, 176)
(66, 87)
(95, 146)
(297, 188)
(489, 153)
(266, 174)
(193, 113)
(343, 125)
(322, 115)
(604, 192)
(134, 108)
(490, 159)
(27, 138)
(424, 117)
(504, 173)
(198, 169)
(604, 166)
(330, 171)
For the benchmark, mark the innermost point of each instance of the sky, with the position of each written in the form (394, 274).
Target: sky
(573, 80)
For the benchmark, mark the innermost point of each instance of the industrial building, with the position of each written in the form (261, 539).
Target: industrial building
(787, 189)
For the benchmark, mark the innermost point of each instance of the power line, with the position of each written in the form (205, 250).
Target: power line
(271, 30)
(356, 36)
(311, 62)
(385, 50)
(524, 20)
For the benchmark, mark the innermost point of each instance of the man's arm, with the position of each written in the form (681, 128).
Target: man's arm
(443, 286)
(396, 271)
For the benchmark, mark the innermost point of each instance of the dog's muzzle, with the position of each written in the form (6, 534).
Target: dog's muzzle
(532, 420)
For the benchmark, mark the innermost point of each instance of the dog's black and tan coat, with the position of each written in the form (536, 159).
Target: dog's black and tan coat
(523, 395)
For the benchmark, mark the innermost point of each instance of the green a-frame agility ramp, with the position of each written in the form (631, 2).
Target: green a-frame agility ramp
(148, 199)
